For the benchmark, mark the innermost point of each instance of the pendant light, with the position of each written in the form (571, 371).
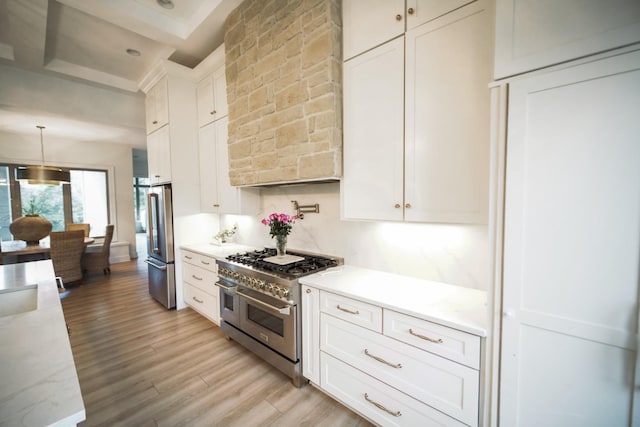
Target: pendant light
(42, 174)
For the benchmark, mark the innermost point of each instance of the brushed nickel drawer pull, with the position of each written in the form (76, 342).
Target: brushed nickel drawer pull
(346, 310)
(205, 262)
(379, 406)
(188, 257)
(197, 300)
(381, 360)
(196, 277)
(438, 341)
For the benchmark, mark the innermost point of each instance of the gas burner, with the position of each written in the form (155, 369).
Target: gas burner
(310, 264)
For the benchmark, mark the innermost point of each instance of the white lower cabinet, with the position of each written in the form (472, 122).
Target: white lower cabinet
(199, 274)
(392, 368)
(376, 400)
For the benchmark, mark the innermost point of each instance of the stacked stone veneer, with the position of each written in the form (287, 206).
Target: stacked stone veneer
(284, 89)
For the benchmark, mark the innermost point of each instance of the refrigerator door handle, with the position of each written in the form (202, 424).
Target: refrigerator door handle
(154, 245)
(164, 267)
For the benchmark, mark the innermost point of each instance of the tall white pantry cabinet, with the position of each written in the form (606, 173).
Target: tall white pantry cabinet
(565, 216)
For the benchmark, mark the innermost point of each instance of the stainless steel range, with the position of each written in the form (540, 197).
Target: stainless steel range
(260, 303)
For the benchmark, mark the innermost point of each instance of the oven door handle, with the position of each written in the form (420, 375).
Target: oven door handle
(284, 310)
(225, 287)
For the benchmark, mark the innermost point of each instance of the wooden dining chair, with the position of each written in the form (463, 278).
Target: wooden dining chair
(66, 252)
(99, 260)
(78, 226)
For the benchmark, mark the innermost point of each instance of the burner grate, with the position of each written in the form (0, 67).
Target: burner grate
(308, 265)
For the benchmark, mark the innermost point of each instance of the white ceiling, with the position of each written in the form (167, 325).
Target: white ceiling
(87, 41)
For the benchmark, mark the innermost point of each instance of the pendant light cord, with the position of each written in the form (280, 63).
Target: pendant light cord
(41, 146)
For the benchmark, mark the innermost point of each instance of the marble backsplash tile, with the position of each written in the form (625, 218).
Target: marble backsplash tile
(455, 254)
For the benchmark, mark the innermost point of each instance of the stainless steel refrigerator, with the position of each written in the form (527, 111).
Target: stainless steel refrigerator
(160, 259)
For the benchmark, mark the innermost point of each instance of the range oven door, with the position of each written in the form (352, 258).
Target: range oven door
(269, 321)
(229, 305)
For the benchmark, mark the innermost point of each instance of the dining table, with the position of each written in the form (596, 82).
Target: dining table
(19, 251)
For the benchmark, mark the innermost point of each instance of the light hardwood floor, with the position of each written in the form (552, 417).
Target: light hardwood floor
(142, 365)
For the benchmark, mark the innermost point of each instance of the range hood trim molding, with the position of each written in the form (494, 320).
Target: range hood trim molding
(329, 180)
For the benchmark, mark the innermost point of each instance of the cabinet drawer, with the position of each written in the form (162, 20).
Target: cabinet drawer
(200, 278)
(375, 400)
(354, 311)
(438, 382)
(208, 263)
(202, 302)
(446, 342)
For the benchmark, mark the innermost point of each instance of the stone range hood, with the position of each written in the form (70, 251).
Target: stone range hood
(284, 89)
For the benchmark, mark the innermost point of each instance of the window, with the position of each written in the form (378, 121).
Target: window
(140, 191)
(85, 200)
(5, 204)
(89, 199)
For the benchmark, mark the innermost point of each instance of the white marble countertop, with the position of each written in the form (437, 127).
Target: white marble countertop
(38, 379)
(217, 251)
(458, 307)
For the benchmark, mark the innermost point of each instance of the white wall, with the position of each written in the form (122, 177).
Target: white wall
(115, 158)
(455, 254)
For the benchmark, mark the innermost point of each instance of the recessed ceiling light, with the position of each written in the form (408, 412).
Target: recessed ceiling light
(167, 4)
(133, 52)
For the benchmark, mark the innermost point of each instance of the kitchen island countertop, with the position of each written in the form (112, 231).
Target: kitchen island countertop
(39, 383)
(458, 307)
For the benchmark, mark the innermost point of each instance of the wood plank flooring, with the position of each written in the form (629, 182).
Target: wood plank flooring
(142, 365)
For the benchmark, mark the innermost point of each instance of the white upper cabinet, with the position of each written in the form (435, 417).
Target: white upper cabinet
(447, 116)
(532, 34)
(217, 195)
(173, 148)
(373, 134)
(367, 24)
(416, 122)
(158, 156)
(212, 97)
(157, 106)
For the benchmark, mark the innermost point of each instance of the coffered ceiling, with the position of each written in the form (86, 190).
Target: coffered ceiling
(87, 41)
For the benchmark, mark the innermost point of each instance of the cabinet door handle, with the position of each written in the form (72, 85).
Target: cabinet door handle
(197, 300)
(438, 341)
(410, 11)
(346, 310)
(408, 206)
(212, 112)
(216, 205)
(379, 406)
(381, 360)
(308, 291)
(398, 17)
(155, 122)
(196, 277)
(188, 257)
(397, 206)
